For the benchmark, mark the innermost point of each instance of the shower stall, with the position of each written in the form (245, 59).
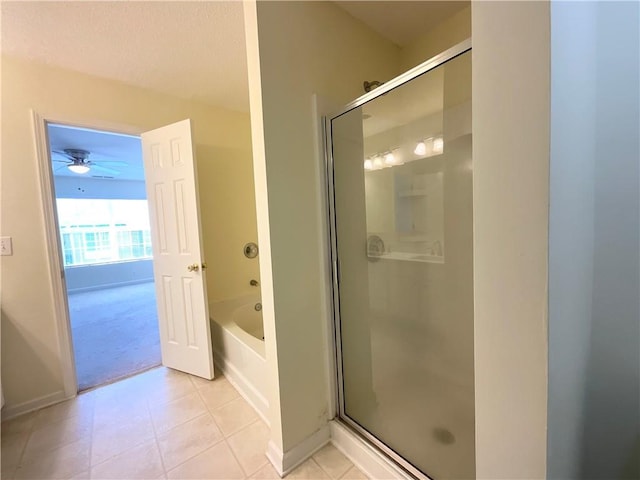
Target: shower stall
(399, 166)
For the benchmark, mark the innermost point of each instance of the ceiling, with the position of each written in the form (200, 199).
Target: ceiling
(112, 155)
(402, 21)
(189, 49)
(192, 49)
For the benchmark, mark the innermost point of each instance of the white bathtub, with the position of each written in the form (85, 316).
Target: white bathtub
(238, 346)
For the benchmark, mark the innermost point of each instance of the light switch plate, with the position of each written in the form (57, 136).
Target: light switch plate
(6, 247)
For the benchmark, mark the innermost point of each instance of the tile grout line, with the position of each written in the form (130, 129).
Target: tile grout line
(322, 469)
(155, 432)
(32, 429)
(136, 445)
(344, 473)
(211, 410)
(147, 410)
(348, 470)
(193, 456)
(246, 427)
(155, 436)
(226, 437)
(222, 404)
(233, 454)
(30, 433)
(247, 474)
(196, 454)
(93, 420)
(24, 447)
(242, 429)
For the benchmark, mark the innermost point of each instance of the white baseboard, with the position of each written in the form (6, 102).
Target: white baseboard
(244, 387)
(371, 462)
(31, 405)
(276, 457)
(105, 286)
(284, 463)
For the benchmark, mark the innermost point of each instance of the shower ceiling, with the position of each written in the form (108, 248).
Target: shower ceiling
(418, 101)
(401, 21)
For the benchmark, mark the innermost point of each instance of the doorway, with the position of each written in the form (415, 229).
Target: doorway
(104, 234)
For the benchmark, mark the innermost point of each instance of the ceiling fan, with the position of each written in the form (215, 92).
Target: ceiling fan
(77, 161)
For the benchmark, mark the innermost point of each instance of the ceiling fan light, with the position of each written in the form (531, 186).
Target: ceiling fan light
(78, 168)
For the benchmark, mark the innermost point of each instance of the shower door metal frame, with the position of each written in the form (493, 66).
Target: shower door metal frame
(434, 62)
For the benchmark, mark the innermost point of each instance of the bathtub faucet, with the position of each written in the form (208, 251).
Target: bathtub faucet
(254, 283)
(258, 306)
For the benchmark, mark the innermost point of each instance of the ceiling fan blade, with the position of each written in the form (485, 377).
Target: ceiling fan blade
(60, 157)
(112, 163)
(104, 169)
(58, 153)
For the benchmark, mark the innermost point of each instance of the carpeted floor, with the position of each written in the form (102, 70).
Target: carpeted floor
(115, 333)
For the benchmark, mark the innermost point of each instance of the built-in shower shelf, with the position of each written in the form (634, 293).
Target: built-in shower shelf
(413, 193)
(410, 257)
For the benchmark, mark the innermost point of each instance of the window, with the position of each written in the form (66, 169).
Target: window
(102, 231)
(134, 244)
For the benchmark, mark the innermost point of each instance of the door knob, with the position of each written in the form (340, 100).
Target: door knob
(194, 267)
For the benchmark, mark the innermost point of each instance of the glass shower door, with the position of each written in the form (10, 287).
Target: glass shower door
(403, 238)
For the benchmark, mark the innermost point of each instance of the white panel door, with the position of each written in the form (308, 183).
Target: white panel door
(170, 173)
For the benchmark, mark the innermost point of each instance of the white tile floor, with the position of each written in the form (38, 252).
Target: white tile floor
(160, 424)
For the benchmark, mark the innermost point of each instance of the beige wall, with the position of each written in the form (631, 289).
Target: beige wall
(510, 192)
(451, 31)
(510, 207)
(30, 356)
(304, 48)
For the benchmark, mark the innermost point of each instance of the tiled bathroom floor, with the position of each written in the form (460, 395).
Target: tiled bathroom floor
(159, 424)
